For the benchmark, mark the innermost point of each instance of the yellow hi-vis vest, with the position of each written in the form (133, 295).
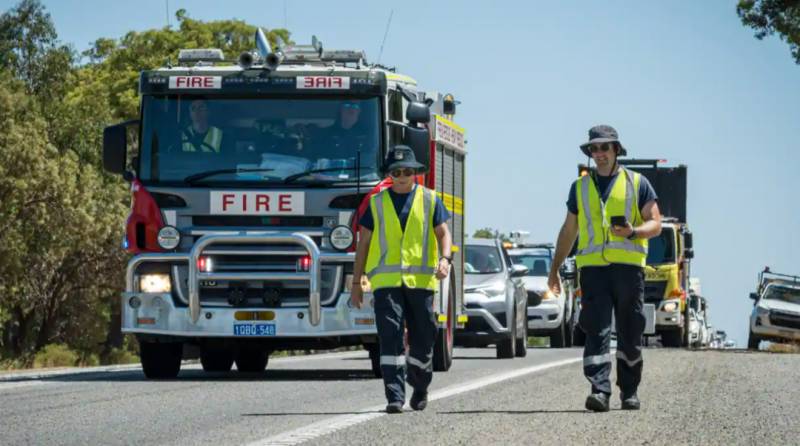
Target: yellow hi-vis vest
(211, 142)
(397, 257)
(597, 246)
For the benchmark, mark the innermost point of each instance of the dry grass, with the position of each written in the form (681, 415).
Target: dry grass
(783, 348)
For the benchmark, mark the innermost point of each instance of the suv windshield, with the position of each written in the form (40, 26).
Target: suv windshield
(786, 294)
(538, 264)
(276, 140)
(481, 259)
(661, 249)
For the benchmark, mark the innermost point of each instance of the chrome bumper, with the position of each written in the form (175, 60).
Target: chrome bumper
(195, 276)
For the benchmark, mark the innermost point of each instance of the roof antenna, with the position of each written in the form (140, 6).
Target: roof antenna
(385, 34)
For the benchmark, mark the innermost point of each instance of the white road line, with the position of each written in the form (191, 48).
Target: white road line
(330, 425)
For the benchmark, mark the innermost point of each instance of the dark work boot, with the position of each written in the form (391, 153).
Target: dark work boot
(419, 400)
(597, 402)
(631, 402)
(396, 407)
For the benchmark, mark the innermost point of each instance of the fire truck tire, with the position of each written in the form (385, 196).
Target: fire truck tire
(252, 360)
(161, 360)
(216, 360)
(443, 347)
(375, 359)
(672, 338)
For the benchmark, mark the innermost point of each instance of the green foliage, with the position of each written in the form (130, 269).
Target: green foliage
(769, 17)
(491, 233)
(56, 355)
(61, 216)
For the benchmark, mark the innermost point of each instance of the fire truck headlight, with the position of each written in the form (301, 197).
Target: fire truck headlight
(155, 283)
(342, 238)
(169, 237)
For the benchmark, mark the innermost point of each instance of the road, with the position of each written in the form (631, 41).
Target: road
(708, 397)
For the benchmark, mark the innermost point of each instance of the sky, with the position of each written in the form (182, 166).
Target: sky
(681, 80)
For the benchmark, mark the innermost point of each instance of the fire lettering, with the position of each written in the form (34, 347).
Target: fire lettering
(226, 200)
(285, 203)
(262, 200)
(309, 82)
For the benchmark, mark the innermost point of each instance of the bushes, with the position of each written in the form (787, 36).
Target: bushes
(56, 355)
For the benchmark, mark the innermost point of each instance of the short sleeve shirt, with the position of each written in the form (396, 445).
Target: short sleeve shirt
(646, 192)
(402, 205)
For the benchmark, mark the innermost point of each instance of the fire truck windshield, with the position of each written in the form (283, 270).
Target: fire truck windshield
(661, 249)
(196, 140)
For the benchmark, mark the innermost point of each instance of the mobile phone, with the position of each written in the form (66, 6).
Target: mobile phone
(618, 220)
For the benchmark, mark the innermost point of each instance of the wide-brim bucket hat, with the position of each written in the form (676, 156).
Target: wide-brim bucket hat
(600, 134)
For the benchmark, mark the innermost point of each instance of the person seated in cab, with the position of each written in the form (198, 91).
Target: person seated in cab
(199, 136)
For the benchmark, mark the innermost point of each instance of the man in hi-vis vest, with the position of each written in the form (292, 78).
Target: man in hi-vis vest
(199, 136)
(613, 212)
(404, 249)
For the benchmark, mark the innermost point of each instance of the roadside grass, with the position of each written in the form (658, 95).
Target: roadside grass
(783, 348)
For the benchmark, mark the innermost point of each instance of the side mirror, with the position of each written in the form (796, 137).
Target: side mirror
(689, 253)
(418, 113)
(449, 105)
(419, 139)
(754, 296)
(115, 147)
(687, 240)
(519, 270)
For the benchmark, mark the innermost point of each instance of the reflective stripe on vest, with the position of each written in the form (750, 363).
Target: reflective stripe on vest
(403, 257)
(211, 142)
(596, 245)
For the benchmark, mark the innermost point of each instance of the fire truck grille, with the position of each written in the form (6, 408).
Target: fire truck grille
(784, 319)
(654, 292)
(254, 221)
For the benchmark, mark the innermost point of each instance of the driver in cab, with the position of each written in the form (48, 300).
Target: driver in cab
(199, 136)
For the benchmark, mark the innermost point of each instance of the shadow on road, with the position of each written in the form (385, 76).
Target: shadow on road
(293, 414)
(512, 412)
(188, 376)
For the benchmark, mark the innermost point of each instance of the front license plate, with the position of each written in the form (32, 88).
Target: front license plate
(254, 329)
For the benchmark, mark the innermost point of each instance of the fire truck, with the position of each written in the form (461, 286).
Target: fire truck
(248, 177)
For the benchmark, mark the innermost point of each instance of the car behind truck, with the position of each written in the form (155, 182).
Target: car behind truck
(243, 239)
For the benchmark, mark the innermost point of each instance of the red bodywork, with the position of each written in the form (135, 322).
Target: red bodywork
(145, 219)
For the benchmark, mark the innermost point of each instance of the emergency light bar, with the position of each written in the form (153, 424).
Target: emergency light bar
(201, 55)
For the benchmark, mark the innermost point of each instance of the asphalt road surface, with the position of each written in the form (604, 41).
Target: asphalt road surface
(705, 397)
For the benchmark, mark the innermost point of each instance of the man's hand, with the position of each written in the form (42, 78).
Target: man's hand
(357, 295)
(443, 269)
(622, 231)
(554, 282)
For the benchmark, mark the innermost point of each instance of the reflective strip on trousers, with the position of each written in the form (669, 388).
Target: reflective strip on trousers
(397, 361)
(420, 364)
(621, 356)
(597, 360)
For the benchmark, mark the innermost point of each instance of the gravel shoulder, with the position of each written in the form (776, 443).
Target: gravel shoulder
(688, 397)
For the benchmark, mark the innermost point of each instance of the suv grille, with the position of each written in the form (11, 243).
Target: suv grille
(784, 319)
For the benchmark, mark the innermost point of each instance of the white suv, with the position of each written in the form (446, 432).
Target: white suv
(776, 314)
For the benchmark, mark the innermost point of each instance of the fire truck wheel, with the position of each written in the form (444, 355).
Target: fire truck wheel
(161, 360)
(443, 348)
(216, 360)
(252, 360)
(672, 338)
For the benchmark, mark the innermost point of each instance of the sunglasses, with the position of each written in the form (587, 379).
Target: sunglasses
(407, 172)
(600, 148)
(351, 106)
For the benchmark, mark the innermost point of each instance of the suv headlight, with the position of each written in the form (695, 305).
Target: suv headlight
(155, 283)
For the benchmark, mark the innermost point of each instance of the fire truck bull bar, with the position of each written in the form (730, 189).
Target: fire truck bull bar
(313, 275)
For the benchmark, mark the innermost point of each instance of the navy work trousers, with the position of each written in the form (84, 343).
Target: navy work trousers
(618, 288)
(394, 309)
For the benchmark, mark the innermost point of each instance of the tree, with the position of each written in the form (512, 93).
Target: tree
(490, 233)
(768, 17)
